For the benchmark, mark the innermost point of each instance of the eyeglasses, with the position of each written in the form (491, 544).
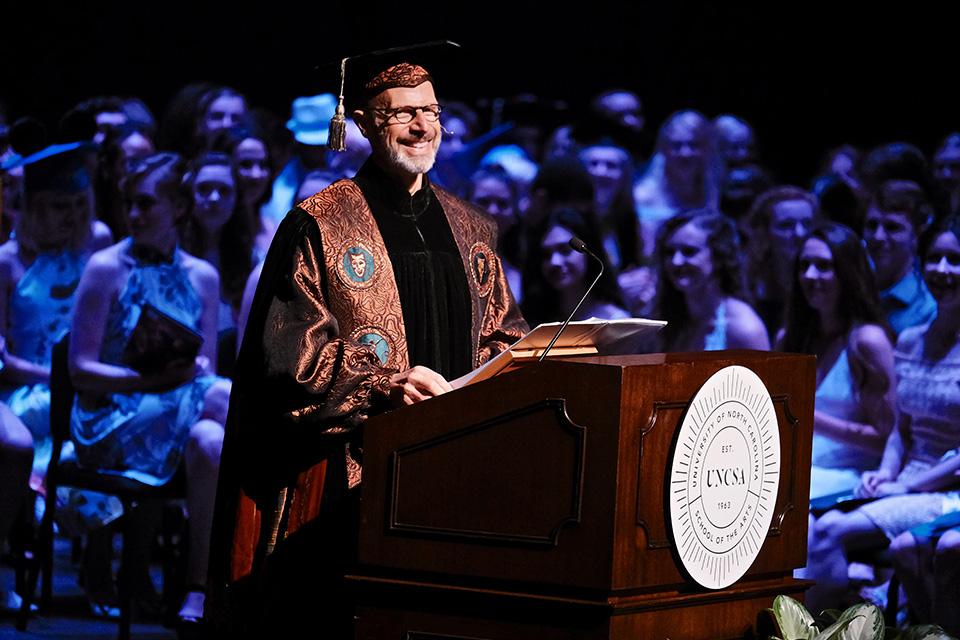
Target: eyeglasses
(403, 115)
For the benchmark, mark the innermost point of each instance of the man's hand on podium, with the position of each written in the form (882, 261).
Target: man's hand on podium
(416, 384)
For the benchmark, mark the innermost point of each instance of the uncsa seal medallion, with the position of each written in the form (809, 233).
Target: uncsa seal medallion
(724, 477)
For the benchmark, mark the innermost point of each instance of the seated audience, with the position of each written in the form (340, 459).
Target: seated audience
(121, 146)
(611, 170)
(927, 561)
(197, 113)
(310, 126)
(249, 150)
(735, 140)
(39, 271)
(917, 478)
(741, 187)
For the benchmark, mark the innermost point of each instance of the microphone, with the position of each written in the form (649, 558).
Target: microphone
(580, 247)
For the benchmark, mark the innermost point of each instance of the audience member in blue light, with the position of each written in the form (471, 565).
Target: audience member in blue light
(216, 228)
(39, 271)
(776, 226)
(249, 150)
(494, 191)
(146, 424)
(702, 292)
(557, 276)
(686, 172)
(834, 313)
(896, 217)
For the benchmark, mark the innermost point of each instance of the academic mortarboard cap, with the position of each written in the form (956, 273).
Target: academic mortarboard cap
(365, 75)
(59, 167)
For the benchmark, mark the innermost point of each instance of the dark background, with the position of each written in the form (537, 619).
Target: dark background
(809, 77)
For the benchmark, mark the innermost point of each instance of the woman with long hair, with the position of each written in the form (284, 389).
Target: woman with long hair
(557, 276)
(834, 313)
(216, 229)
(775, 227)
(701, 292)
(249, 149)
(686, 172)
(197, 113)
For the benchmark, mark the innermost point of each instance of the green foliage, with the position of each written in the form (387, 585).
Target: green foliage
(859, 622)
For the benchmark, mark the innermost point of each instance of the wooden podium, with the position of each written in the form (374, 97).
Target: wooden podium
(534, 505)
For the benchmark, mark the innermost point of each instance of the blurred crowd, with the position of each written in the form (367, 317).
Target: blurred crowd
(112, 209)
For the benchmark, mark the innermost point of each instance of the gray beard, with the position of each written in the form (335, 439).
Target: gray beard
(414, 166)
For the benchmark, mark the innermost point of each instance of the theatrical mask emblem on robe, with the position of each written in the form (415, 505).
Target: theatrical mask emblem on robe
(481, 267)
(357, 266)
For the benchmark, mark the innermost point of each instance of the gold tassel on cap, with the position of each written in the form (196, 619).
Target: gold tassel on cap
(338, 124)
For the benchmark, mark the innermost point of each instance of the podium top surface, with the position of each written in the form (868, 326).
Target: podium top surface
(648, 359)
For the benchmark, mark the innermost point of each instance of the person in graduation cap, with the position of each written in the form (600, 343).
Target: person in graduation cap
(39, 270)
(375, 293)
(40, 267)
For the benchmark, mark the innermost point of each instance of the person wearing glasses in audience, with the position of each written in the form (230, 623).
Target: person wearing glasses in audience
(376, 292)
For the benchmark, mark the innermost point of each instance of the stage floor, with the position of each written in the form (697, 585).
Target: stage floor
(69, 616)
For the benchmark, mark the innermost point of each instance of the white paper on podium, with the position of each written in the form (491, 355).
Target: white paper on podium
(604, 337)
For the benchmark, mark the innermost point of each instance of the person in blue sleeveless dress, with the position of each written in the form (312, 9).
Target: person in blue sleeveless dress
(701, 288)
(834, 313)
(146, 425)
(40, 266)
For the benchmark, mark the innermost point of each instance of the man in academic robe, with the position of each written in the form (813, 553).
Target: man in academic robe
(375, 293)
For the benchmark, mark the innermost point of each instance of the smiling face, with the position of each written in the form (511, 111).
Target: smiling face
(687, 259)
(941, 270)
(359, 264)
(562, 267)
(892, 243)
(818, 277)
(408, 149)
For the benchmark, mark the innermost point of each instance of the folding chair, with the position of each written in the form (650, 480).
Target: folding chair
(69, 473)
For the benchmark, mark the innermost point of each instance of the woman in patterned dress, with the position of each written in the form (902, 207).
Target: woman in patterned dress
(145, 424)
